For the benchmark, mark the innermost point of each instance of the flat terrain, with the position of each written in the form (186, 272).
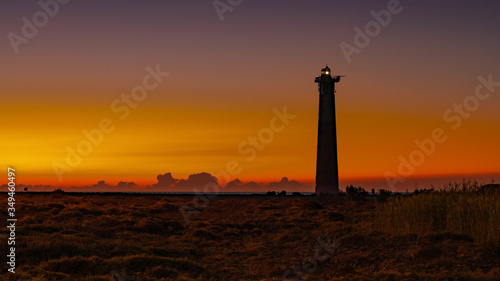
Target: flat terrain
(96, 237)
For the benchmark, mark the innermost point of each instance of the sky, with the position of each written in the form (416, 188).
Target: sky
(220, 72)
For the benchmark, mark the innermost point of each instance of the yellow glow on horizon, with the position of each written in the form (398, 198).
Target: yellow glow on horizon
(154, 140)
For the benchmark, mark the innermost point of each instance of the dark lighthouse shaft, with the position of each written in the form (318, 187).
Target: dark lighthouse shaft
(327, 174)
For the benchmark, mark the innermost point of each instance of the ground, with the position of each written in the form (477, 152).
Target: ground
(61, 236)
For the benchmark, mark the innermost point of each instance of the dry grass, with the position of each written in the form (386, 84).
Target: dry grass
(460, 208)
(68, 237)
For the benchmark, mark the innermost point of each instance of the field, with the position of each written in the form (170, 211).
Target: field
(430, 236)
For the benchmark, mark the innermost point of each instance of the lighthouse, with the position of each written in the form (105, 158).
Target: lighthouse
(327, 173)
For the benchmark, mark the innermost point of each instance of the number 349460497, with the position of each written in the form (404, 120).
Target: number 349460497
(12, 188)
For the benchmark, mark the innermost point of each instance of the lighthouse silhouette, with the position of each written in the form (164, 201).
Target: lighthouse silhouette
(327, 174)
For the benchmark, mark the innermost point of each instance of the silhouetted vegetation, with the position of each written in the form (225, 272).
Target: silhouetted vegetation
(458, 208)
(356, 193)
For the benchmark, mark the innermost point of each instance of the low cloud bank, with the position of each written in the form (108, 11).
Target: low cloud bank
(166, 182)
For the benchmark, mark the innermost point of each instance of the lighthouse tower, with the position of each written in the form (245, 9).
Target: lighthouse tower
(327, 174)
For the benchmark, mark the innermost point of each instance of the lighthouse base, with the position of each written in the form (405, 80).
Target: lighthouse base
(327, 189)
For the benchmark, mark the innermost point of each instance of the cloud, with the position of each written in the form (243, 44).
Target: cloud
(234, 183)
(22, 187)
(251, 185)
(283, 184)
(165, 180)
(126, 184)
(101, 184)
(197, 181)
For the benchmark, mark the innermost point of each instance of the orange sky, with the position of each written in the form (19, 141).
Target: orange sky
(226, 78)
